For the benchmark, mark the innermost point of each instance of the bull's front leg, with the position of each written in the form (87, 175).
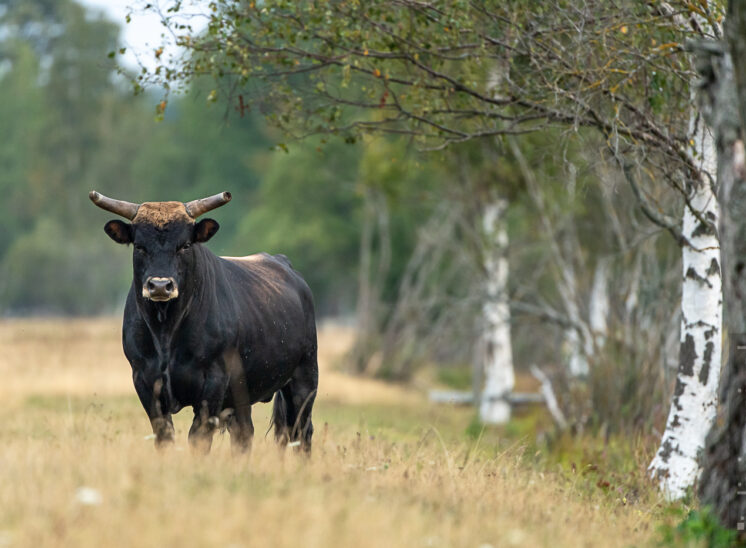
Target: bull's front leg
(153, 390)
(207, 413)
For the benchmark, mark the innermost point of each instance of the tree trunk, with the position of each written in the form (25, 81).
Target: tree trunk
(577, 334)
(370, 279)
(693, 409)
(575, 344)
(724, 463)
(722, 485)
(598, 307)
(497, 353)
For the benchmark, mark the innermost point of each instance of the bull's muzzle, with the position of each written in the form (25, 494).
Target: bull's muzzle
(160, 289)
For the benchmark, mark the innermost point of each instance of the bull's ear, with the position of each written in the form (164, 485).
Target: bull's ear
(205, 229)
(119, 231)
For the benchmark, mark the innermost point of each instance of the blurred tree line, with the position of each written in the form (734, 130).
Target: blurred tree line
(70, 124)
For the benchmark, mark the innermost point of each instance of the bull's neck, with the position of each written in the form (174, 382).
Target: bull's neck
(165, 319)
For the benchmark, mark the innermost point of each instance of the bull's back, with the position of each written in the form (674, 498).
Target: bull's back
(268, 275)
(263, 262)
(275, 296)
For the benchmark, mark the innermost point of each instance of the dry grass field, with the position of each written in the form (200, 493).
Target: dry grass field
(388, 469)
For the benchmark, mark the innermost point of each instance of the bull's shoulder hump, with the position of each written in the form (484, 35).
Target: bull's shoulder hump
(260, 258)
(247, 258)
(272, 273)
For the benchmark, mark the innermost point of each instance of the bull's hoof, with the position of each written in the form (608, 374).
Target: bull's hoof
(300, 447)
(164, 433)
(163, 442)
(200, 444)
(201, 434)
(241, 442)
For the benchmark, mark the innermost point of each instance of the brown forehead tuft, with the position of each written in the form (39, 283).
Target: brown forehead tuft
(159, 214)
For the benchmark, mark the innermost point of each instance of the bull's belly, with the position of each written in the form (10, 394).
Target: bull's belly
(257, 382)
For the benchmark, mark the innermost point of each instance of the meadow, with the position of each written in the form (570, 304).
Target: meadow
(78, 467)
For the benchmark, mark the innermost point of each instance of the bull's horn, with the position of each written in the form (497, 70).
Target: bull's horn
(127, 210)
(195, 208)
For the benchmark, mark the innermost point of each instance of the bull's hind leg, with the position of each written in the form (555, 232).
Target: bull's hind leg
(240, 426)
(294, 405)
(280, 419)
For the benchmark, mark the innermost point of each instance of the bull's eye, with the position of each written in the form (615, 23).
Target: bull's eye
(139, 249)
(185, 247)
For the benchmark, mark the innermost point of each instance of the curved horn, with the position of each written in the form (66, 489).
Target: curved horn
(195, 208)
(127, 210)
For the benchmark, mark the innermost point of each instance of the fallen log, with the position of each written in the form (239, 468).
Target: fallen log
(462, 397)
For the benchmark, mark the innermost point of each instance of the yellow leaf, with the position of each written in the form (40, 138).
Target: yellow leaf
(624, 29)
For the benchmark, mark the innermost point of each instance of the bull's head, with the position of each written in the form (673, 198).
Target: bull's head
(162, 234)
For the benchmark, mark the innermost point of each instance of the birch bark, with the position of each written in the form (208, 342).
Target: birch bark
(497, 350)
(676, 465)
(598, 307)
(722, 66)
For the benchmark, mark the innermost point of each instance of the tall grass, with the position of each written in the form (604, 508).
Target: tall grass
(387, 469)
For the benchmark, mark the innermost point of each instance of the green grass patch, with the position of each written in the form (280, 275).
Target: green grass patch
(458, 378)
(696, 528)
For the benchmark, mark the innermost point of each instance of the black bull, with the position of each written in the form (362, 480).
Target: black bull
(215, 333)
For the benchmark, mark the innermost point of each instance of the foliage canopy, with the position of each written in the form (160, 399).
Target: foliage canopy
(449, 71)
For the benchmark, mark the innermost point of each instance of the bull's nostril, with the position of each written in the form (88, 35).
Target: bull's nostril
(160, 289)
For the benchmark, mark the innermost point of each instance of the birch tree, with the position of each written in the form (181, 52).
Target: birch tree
(676, 465)
(599, 304)
(693, 409)
(494, 407)
(721, 65)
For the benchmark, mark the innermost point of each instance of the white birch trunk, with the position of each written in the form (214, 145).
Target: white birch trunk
(582, 343)
(598, 307)
(577, 364)
(494, 407)
(577, 333)
(577, 336)
(676, 466)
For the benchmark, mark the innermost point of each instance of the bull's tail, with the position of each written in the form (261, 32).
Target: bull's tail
(280, 418)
